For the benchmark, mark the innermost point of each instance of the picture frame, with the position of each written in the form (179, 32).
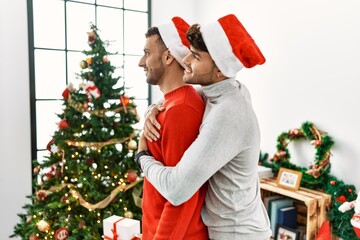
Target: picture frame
(289, 179)
(286, 233)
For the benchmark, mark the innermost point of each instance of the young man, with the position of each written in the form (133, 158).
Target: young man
(226, 151)
(165, 46)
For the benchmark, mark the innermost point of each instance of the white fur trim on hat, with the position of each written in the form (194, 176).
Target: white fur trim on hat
(220, 49)
(172, 40)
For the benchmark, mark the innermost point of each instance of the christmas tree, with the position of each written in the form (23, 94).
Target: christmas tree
(89, 174)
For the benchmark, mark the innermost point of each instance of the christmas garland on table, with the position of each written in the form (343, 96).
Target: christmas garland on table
(317, 176)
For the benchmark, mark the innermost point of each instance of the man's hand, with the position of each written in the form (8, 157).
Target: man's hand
(151, 125)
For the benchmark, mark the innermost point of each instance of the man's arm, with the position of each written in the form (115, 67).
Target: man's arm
(217, 143)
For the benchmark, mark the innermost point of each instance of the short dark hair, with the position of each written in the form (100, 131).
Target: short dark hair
(155, 31)
(195, 38)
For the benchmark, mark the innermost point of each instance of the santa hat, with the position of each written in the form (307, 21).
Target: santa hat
(230, 45)
(174, 37)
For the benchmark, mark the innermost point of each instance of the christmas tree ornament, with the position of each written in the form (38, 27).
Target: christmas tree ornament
(124, 100)
(341, 199)
(132, 144)
(61, 234)
(92, 91)
(129, 214)
(91, 37)
(66, 93)
(131, 176)
(83, 64)
(41, 195)
(36, 170)
(119, 147)
(51, 147)
(89, 61)
(81, 224)
(33, 237)
(63, 124)
(43, 226)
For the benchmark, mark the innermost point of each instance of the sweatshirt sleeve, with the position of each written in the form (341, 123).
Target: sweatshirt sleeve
(217, 143)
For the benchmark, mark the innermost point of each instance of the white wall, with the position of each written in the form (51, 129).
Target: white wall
(15, 170)
(312, 50)
(311, 74)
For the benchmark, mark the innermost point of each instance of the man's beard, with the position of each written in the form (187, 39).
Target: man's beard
(155, 74)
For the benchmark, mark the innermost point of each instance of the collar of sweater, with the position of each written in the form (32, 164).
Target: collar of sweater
(220, 88)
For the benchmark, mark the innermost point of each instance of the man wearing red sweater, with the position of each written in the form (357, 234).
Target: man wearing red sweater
(164, 49)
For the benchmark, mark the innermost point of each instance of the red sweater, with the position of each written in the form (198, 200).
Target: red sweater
(180, 122)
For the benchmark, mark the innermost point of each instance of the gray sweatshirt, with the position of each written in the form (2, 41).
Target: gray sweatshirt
(226, 154)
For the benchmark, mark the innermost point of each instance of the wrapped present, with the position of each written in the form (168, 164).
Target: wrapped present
(120, 228)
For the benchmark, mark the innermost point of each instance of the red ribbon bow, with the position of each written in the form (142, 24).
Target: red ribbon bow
(115, 235)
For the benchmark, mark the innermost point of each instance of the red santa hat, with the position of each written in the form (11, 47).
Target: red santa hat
(230, 45)
(174, 37)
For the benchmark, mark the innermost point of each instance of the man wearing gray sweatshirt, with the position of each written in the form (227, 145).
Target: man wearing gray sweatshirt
(225, 154)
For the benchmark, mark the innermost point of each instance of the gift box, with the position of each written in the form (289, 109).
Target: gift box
(355, 222)
(120, 228)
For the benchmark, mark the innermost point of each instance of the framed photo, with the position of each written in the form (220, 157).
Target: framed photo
(288, 178)
(286, 233)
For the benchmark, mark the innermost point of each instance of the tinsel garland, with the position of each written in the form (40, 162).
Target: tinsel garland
(99, 112)
(319, 179)
(98, 145)
(102, 204)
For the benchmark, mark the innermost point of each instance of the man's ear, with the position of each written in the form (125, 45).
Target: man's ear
(168, 57)
(219, 74)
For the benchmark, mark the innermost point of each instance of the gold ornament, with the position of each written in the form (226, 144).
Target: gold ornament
(132, 145)
(128, 214)
(43, 226)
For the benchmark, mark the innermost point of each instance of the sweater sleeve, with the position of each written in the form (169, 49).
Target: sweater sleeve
(218, 142)
(180, 128)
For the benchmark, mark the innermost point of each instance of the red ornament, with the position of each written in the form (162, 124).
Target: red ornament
(33, 237)
(124, 100)
(63, 124)
(92, 37)
(41, 195)
(131, 176)
(61, 234)
(66, 93)
(89, 161)
(350, 190)
(81, 224)
(341, 199)
(333, 182)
